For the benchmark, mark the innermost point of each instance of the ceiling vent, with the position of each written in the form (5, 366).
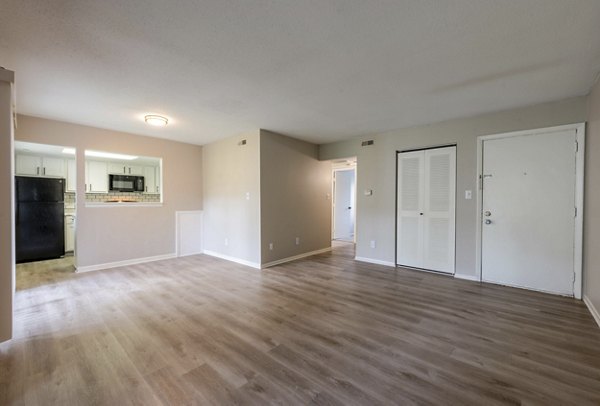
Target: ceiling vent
(365, 143)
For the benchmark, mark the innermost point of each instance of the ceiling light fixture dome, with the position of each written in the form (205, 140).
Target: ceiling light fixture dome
(156, 120)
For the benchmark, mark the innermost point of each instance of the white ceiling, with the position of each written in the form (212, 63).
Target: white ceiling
(316, 70)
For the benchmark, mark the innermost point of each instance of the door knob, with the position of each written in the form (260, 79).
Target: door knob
(487, 213)
(488, 221)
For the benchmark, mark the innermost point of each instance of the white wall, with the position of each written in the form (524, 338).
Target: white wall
(295, 190)
(591, 227)
(376, 170)
(114, 234)
(7, 253)
(231, 174)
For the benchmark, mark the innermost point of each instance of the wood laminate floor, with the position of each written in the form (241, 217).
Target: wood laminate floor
(323, 330)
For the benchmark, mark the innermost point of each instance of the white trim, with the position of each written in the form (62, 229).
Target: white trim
(473, 278)
(295, 257)
(232, 259)
(374, 261)
(127, 262)
(592, 309)
(579, 190)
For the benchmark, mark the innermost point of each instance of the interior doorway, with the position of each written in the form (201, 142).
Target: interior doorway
(344, 200)
(530, 209)
(45, 214)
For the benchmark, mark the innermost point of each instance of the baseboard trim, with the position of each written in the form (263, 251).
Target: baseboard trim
(117, 264)
(592, 309)
(374, 261)
(232, 259)
(295, 257)
(467, 277)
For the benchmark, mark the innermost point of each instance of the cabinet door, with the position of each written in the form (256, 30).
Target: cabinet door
(97, 177)
(53, 167)
(71, 175)
(135, 170)
(116, 167)
(150, 179)
(28, 165)
(157, 178)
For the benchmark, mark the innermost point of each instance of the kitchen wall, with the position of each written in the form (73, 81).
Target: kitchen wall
(7, 248)
(119, 233)
(591, 227)
(295, 197)
(376, 170)
(231, 216)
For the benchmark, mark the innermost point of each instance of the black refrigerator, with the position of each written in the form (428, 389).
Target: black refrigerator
(39, 218)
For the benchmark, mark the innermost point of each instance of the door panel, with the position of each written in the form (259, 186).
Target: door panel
(438, 250)
(411, 185)
(529, 203)
(343, 225)
(426, 202)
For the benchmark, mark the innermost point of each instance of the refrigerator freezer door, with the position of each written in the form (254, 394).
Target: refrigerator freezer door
(30, 189)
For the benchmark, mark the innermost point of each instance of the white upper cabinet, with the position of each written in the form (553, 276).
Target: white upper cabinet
(28, 165)
(54, 167)
(135, 170)
(35, 165)
(125, 169)
(96, 176)
(71, 177)
(150, 179)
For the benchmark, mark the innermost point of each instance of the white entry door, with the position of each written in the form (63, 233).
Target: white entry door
(343, 210)
(426, 209)
(529, 200)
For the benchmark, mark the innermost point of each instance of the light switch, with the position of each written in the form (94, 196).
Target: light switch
(368, 192)
(468, 195)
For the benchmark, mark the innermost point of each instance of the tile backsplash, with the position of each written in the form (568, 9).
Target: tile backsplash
(103, 197)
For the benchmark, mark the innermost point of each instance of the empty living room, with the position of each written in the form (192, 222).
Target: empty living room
(294, 202)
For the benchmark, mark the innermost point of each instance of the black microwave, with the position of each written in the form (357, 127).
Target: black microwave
(125, 183)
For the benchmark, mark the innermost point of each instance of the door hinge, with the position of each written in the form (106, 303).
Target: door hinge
(574, 277)
(575, 212)
(576, 146)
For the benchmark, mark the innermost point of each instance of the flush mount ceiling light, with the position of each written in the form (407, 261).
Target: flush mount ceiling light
(156, 120)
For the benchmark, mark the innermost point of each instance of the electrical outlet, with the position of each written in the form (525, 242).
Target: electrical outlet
(226, 242)
(372, 243)
(468, 195)
(271, 246)
(247, 195)
(297, 240)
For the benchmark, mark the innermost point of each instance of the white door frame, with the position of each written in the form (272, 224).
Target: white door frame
(579, 186)
(333, 186)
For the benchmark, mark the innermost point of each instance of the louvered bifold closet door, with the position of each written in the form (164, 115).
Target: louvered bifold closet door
(411, 175)
(426, 209)
(439, 213)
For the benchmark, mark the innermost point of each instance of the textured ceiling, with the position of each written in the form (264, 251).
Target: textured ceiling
(316, 70)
